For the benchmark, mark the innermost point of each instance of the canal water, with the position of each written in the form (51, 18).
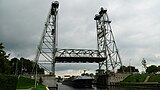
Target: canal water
(65, 87)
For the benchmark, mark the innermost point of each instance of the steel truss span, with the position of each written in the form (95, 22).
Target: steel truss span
(72, 56)
(106, 55)
(79, 55)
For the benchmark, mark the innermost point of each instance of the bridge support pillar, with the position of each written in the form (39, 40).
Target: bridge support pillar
(102, 79)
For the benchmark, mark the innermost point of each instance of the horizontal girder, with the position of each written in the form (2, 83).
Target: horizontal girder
(79, 59)
(79, 55)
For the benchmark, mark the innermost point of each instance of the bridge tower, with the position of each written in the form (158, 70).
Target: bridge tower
(106, 47)
(48, 44)
(106, 42)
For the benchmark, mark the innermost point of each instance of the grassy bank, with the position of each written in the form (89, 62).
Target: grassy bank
(140, 78)
(40, 87)
(154, 78)
(135, 78)
(24, 83)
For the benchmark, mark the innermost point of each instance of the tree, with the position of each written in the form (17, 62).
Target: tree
(158, 68)
(40, 70)
(152, 69)
(14, 65)
(4, 62)
(121, 69)
(129, 69)
(23, 66)
(26, 65)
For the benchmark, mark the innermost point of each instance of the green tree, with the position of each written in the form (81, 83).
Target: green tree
(4, 62)
(26, 65)
(121, 69)
(152, 69)
(158, 68)
(23, 65)
(14, 65)
(40, 70)
(131, 69)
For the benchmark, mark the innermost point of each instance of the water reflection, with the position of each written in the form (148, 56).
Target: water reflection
(65, 87)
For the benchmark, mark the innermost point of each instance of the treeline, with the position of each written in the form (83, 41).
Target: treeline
(127, 69)
(15, 66)
(153, 69)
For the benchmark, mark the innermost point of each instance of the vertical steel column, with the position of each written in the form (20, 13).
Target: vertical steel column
(53, 15)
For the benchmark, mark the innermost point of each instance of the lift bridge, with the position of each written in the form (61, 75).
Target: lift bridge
(106, 55)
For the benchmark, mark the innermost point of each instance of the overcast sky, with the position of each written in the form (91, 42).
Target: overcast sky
(135, 24)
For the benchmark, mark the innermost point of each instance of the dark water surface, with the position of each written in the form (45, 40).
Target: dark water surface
(65, 87)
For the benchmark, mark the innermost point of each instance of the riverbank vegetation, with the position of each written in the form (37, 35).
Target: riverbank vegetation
(135, 78)
(140, 78)
(40, 87)
(15, 66)
(25, 83)
(8, 82)
(154, 78)
(10, 69)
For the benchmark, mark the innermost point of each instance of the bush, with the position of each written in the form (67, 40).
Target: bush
(8, 82)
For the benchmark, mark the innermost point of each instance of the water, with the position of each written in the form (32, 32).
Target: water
(65, 87)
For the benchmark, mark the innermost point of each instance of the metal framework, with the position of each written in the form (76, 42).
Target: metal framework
(106, 42)
(48, 43)
(106, 55)
(79, 55)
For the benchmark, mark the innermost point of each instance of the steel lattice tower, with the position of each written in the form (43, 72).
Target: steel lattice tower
(106, 42)
(48, 44)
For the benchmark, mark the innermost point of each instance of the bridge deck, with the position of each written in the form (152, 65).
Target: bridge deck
(79, 59)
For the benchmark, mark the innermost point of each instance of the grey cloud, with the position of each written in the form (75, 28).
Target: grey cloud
(135, 24)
